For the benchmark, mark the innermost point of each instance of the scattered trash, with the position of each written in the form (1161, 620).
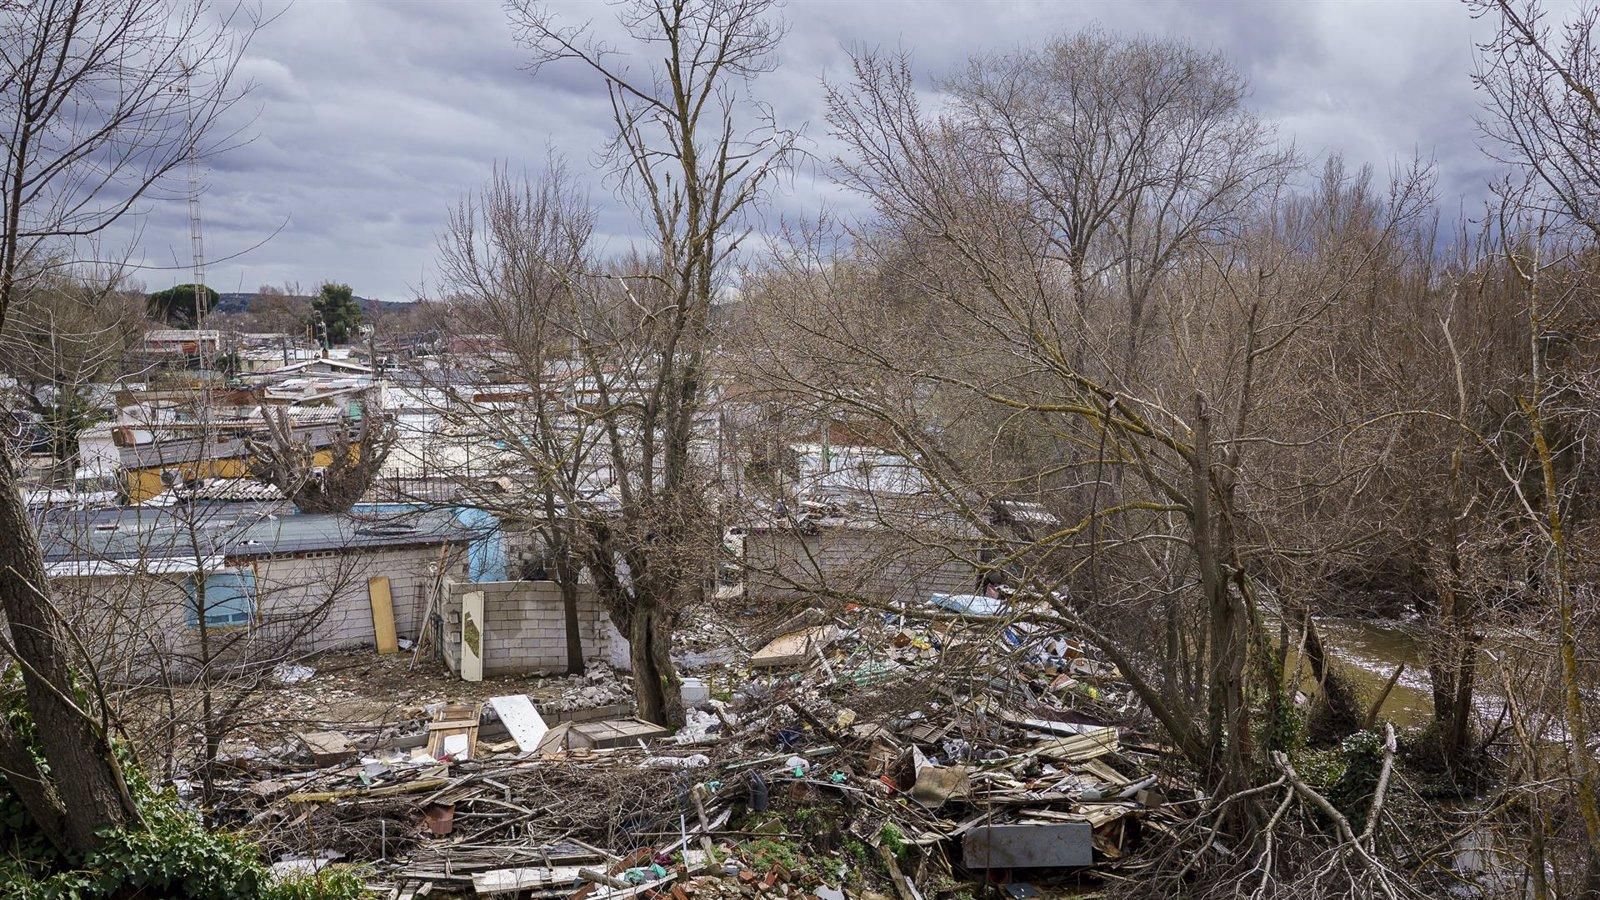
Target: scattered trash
(948, 749)
(697, 761)
(694, 692)
(969, 604)
(290, 673)
(698, 726)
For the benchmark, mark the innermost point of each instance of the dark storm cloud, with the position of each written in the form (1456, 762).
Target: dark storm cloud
(371, 120)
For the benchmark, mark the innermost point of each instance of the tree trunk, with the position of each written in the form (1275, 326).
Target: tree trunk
(1457, 645)
(567, 580)
(655, 680)
(31, 786)
(85, 773)
(1227, 713)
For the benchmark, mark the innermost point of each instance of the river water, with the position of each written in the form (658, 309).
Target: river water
(1369, 649)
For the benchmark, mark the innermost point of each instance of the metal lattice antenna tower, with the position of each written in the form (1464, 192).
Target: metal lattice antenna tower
(196, 242)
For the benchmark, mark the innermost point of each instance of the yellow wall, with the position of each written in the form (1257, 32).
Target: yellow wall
(144, 484)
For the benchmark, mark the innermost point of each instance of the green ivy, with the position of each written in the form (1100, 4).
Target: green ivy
(170, 854)
(894, 839)
(1362, 753)
(331, 883)
(173, 855)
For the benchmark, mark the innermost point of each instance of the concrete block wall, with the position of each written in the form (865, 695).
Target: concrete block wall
(525, 630)
(876, 564)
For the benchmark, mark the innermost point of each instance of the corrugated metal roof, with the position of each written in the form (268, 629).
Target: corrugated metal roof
(234, 530)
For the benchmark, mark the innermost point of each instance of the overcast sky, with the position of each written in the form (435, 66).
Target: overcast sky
(371, 119)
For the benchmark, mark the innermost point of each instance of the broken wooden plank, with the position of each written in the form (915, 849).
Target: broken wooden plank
(795, 647)
(556, 739)
(1105, 773)
(389, 790)
(1080, 747)
(804, 619)
(499, 881)
(1050, 726)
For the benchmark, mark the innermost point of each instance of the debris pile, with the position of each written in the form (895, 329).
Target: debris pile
(872, 754)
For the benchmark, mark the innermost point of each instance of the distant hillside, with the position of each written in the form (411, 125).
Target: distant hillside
(241, 302)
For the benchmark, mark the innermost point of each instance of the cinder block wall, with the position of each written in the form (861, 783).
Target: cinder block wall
(525, 627)
(785, 564)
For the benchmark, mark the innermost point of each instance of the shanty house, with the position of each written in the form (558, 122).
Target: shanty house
(276, 584)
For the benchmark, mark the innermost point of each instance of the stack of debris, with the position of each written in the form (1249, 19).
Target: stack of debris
(874, 754)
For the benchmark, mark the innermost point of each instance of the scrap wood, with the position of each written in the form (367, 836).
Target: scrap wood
(1050, 726)
(821, 726)
(424, 633)
(705, 825)
(717, 822)
(1098, 814)
(599, 877)
(453, 721)
(498, 881)
(902, 885)
(1105, 773)
(806, 618)
(388, 790)
(607, 734)
(1080, 747)
(807, 753)
(795, 647)
(409, 889)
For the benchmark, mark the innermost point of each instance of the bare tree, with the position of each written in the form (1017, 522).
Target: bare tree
(65, 333)
(1122, 154)
(1542, 109)
(514, 260)
(329, 478)
(1542, 117)
(102, 98)
(283, 310)
(694, 153)
(951, 323)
